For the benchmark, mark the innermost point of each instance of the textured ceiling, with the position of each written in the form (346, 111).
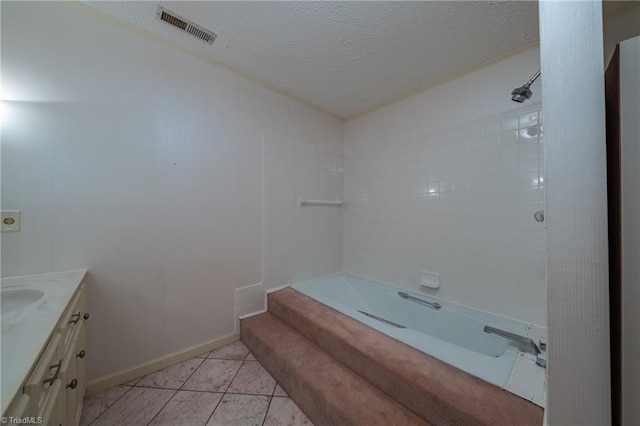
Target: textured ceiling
(346, 57)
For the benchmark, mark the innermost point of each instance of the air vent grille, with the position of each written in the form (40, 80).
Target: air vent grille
(185, 25)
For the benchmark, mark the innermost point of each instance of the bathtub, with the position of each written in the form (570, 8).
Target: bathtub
(453, 334)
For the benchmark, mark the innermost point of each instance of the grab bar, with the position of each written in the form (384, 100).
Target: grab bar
(386, 321)
(304, 202)
(417, 300)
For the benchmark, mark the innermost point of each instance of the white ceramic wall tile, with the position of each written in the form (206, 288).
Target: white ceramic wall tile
(301, 243)
(143, 164)
(456, 198)
(528, 380)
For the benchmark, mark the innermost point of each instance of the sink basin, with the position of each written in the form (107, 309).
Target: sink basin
(16, 298)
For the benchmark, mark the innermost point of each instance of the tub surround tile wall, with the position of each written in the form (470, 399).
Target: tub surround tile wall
(448, 181)
(301, 243)
(143, 164)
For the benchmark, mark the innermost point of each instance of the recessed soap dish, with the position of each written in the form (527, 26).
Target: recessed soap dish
(430, 280)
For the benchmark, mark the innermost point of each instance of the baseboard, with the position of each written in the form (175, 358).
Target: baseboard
(111, 380)
(252, 314)
(273, 290)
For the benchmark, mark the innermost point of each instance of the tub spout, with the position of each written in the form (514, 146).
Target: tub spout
(524, 343)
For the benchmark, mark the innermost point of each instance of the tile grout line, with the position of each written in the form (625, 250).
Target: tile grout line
(225, 392)
(270, 401)
(176, 390)
(214, 410)
(162, 408)
(110, 405)
(207, 391)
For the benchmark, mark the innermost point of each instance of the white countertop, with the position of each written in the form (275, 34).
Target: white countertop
(26, 331)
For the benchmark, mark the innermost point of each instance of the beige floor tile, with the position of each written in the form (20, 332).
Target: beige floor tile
(252, 378)
(245, 410)
(250, 357)
(96, 404)
(213, 375)
(136, 407)
(132, 382)
(236, 350)
(283, 411)
(171, 377)
(204, 355)
(279, 391)
(188, 408)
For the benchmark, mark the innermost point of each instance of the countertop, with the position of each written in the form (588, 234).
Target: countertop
(26, 331)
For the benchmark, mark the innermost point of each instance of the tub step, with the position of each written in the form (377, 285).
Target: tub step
(435, 391)
(328, 392)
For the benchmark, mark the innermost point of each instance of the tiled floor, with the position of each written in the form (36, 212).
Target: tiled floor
(225, 387)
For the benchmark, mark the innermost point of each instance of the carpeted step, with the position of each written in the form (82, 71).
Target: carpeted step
(437, 392)
(328, 392)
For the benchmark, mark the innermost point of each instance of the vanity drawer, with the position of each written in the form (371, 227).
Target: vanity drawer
(41, 382)
(72, 317)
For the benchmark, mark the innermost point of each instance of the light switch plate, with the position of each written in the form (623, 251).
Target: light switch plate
(10, 220)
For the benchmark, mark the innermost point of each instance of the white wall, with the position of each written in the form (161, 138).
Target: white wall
(448, 181)
(578, 368)
(620, 27)
(630, 132)
(143, 164)
(300, 242)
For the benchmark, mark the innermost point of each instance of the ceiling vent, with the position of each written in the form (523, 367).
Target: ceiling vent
(185, 25)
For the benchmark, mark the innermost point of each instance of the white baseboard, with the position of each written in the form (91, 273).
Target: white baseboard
(252, 314)
(110, 380)
(273, 290)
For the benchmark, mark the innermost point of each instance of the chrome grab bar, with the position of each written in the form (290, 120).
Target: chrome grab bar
(386, 321)
(417, 300)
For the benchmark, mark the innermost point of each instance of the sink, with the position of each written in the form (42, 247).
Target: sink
(17, 298)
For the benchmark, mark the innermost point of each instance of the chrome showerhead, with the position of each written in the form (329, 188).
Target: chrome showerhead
(522, 93)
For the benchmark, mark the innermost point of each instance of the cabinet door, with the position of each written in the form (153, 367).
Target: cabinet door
(81, 367)
(74, 377)
(74, 366)
(53, 410)
(69, 386)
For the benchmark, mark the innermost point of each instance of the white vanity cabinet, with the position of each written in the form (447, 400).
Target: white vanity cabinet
(54, 389)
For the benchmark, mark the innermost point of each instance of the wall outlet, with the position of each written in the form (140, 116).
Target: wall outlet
(10, 220)
(430, 279)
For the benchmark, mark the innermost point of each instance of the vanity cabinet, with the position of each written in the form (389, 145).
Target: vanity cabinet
(54, 389)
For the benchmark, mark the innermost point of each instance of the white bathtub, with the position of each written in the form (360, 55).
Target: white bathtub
(454, 333)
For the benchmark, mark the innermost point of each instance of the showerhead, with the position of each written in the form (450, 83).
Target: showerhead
(522, 93)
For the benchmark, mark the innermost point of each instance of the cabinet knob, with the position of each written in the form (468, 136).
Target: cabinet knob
(73, 384)
(81, 354)
(86, 316)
